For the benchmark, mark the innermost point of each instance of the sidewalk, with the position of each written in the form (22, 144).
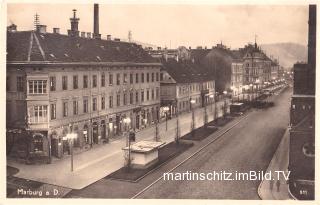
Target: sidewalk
(94, 164)
(268, 189)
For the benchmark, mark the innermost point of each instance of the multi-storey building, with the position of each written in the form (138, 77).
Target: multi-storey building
(257, 66)
(57, 84)
(237, 77)
(183, 81)
(302, 120)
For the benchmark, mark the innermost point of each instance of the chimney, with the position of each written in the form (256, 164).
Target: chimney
(42, 28)
(74, 32)
(117, 39)
(108, 37)
(96, 34)
(159, 48)
(56, 30)
(83, 34)
(88, 34)
(189, 47)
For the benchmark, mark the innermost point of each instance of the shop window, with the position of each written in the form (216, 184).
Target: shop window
(38, 143)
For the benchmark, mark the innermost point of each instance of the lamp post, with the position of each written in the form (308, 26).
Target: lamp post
(178, 128)
(257, 88)
(215, 106)
(166, 109)
(205, 113)
(225, 103)
(251, 92)
(192, 101)
(70, 137)
(127, 121)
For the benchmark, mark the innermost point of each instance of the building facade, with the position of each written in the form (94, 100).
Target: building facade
(58, 84)
(237, 78)
(182, 82)
(302, 121)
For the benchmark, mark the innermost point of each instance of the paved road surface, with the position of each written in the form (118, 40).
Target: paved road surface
(248, 147)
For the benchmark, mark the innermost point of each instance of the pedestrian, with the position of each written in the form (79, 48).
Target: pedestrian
(278, 185)
(271, 185)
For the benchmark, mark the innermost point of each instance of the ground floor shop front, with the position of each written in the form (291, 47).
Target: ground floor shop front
(54, 142)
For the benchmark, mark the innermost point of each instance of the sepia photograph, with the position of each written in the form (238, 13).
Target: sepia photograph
(108, 100)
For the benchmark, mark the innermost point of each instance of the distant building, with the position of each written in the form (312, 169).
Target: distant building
(183, 81)
(57, 84)
(237, 78)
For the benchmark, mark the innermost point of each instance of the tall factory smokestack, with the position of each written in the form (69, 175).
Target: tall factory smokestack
(96, 22)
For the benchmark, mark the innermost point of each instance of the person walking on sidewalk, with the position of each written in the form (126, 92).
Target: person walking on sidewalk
(278, 185)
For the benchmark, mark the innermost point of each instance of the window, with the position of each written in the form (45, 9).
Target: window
(142, 96)
(75, 107)
(37, 86)
(142, 77)
(152, 94)
(85, 81)
(20, 87)
(137, 77)
(131, 98)
(103, 103)
(131, 78)
(147, 94)
(157, 76)
(65, 109)
(118, 99)
(137, 97)
(94, 104)
(85, 105)
(38, 114)
(53, 111)
(125, 80)
(110, 79)
(152, 77)
(52, 83)
(118, 78)
(157, 93)
(64, 82)
(75, 82)
(161, 76)
(124, 98)
(38, 143)
(147, 77)
(103, 80)
(94, 81)
(110, 101)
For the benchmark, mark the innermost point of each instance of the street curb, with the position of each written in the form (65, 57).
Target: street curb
(260, 185)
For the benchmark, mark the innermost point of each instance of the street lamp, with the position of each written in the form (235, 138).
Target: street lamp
(225, 103)
(70, 137)
(127, 121)
(251, 87)
(166, 109)
(192, 101)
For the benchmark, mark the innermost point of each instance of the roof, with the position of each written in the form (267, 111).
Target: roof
(32, 46)
(186, 71)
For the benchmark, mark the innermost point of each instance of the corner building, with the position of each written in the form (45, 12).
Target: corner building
(58, 84)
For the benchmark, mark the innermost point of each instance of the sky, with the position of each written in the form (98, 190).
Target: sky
(174, 25)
